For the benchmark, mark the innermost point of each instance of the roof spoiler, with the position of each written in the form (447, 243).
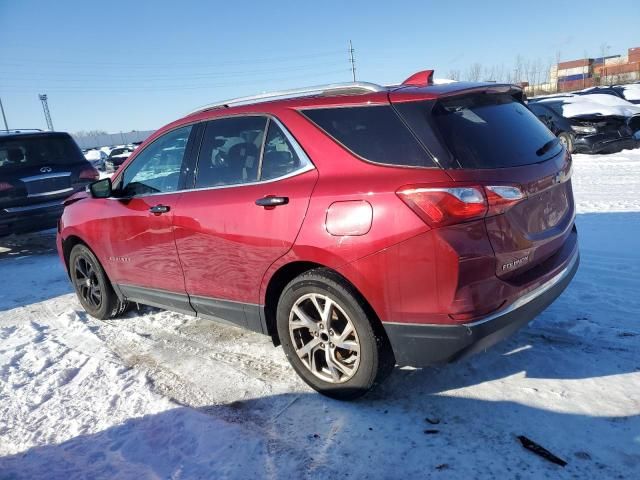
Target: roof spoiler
(420, 79)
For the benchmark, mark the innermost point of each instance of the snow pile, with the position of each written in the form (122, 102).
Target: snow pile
(632, 92)
(162, 395)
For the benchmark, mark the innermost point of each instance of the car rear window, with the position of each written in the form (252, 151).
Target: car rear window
(485, 130)
(32, 150)
(373, 133)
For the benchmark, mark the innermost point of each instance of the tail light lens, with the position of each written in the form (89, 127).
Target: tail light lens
(450, 205)
(502, 197)
(89, 174)
(4, 186)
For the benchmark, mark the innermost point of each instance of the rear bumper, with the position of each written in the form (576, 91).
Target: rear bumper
(427, 344)
(602, 143)
(30, 218)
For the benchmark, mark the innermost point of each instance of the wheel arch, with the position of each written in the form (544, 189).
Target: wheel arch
(68, 244)
(286, 273)
(73, 240)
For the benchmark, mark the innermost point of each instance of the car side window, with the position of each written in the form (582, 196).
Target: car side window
(157, 168)
(230, 151)
(280, 157)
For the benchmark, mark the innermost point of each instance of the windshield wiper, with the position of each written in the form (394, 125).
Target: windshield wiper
(546, 147)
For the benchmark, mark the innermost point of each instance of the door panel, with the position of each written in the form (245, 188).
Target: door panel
(226, 242)
(139, 226)
(141, 244)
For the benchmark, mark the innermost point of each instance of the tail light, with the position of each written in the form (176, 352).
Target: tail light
(450, 205)
(502, 197)
(4, 186)
(89, 174)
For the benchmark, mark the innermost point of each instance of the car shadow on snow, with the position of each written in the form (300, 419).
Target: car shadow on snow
(36, 243)
(30, 270)
(309, 436)
(456, 421)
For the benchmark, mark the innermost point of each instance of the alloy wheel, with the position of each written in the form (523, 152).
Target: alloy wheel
(324, 338)
(87, 283)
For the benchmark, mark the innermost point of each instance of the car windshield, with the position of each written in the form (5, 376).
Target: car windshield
(22, 151)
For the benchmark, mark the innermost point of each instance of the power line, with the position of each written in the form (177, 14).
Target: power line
(81, 76)
(142, 65)
(153, 87)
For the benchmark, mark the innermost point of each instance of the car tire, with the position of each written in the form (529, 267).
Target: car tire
(92, 286)
(316, 313)
(567, 140)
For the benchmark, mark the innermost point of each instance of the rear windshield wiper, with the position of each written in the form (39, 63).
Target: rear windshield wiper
(546, 147)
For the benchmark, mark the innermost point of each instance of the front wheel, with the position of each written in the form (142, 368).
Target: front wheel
(92, 286)
(328, 337)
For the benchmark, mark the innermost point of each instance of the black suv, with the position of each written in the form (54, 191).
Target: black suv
(38, 170)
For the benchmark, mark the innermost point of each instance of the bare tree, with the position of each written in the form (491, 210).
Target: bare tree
(474, 72)
(454, 75)
(90, 133)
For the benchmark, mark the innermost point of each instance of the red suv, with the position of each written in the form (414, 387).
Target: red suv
(359, 226)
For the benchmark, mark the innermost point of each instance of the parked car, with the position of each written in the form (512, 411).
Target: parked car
(630, 92)
(38, 170)
(97, 158)
(358, 225)
(598, 128)
(559, 126)
(117, 157)
(613, 90)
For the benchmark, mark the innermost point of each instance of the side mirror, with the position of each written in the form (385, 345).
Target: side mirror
(101, 188)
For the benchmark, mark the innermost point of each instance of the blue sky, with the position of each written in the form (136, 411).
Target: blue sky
(123, 65)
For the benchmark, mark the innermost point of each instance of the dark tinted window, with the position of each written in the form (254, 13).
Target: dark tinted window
(280, 157)
(493, 131)
(230, 151)
(373, 133)
(157, 168)
(34, 150)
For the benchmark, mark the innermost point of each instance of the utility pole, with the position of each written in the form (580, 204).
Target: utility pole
(47, 114)
(6, 127)
(352, 60)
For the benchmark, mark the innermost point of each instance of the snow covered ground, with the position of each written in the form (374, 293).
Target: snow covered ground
(162, 395)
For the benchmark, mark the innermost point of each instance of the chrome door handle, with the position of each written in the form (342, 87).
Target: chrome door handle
(159, 209)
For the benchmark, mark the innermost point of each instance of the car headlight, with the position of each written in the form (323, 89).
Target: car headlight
(583, 129)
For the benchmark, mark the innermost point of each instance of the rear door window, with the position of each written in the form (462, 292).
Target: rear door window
(38, 150)
(282, 156)
(230, 151)
(485, 130)
(374, 133)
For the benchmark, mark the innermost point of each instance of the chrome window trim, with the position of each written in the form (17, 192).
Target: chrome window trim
(45, 176)
(219, 187)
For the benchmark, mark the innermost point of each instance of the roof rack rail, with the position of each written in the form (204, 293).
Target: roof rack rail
(349, 88)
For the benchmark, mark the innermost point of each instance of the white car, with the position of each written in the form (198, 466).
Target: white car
(97, 158)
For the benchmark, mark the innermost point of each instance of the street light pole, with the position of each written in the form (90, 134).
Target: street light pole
(4, 117)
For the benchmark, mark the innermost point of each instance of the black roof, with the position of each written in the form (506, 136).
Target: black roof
(29, 132)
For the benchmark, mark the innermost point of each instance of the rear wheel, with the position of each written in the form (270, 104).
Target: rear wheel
(566, 140)
(328, 337)
(92, 286)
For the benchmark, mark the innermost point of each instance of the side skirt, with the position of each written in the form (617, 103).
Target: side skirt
(244, 315)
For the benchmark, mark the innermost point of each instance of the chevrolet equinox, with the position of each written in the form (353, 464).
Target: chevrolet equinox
(359, 226)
